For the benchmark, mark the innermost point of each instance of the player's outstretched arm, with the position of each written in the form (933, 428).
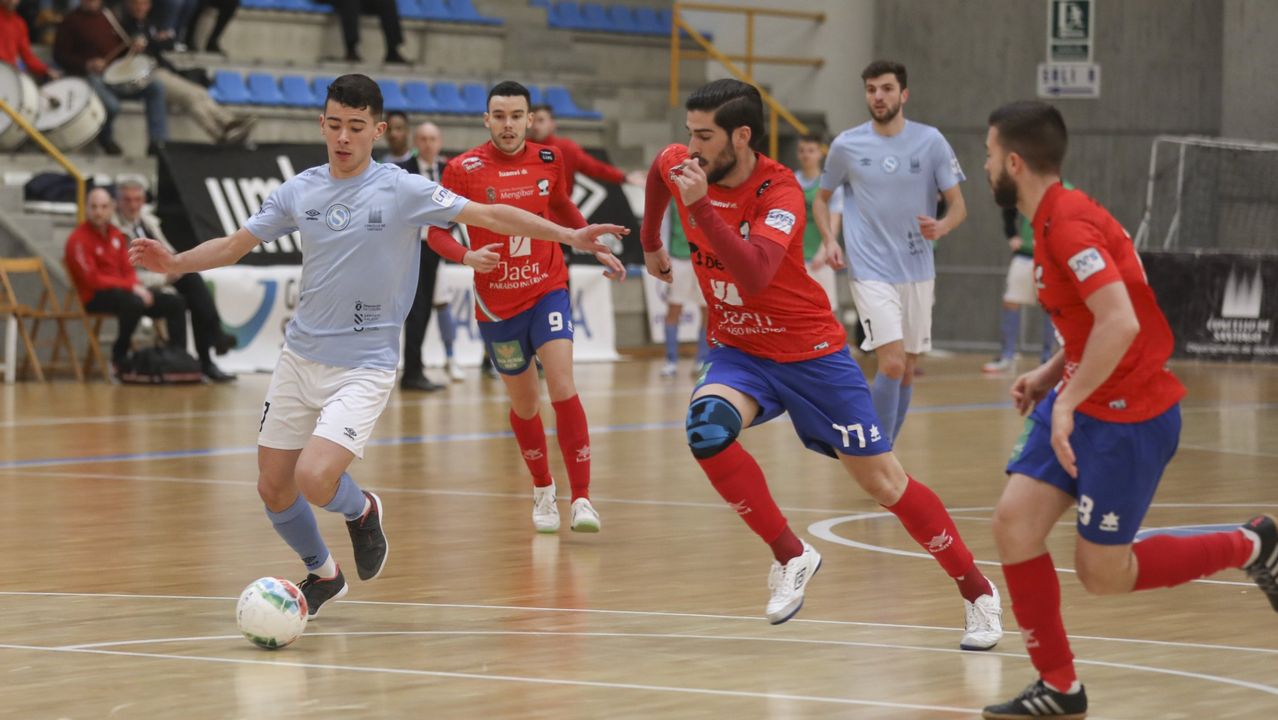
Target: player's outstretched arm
(831, 252)
(154, 256)
(507, 220)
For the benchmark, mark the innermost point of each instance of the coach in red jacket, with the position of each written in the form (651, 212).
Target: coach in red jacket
(576, 159)
(98, 257)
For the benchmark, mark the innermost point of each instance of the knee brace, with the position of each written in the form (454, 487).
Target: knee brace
(712, 425)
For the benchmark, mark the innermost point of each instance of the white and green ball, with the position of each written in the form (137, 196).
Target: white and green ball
(271, 613)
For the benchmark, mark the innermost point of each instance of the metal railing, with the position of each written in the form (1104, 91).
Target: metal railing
(708, 50)
(52, 152)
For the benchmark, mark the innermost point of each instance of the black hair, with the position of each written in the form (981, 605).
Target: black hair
(735, 104)
(812, 138)
(356, 91)
(509, 88)
(397, 114)
(542, 107)
(878, 68)
(1035, 131)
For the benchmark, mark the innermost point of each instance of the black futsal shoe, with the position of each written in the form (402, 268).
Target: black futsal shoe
(1039, 700)
(368, 540)
(318, 590)
(1264, 567)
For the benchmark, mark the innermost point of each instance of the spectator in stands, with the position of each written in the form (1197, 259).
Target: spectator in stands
(173, 17)
(396, 136)
(97, 255)
(88, 39)
(225, 11)
(348, 12)
(576, 159)
(206, 323)
(15, 43)
(221, 125)
(811, 155)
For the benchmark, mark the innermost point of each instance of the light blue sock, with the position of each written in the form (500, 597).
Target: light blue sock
(1049, 338)
(903, 406)
(348, 500)
(703, 346)
(447, 328)
(296, 525)
(886, 394)
(1010, 326)
(672, 342)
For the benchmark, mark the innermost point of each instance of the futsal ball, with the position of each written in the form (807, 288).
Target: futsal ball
(271, 613)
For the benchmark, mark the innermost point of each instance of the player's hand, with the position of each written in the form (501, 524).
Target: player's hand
(95, 65)
(637, 177)
(152, 255)
(615, 269)
(1062, 428)
(691, 180)
(658, 265)
(587, 239)
(139, 44)
(930, 228)
(1015, 242)
(1028, 389)
(147, 298)
(53, 74)
(831, 253)
(484, 259)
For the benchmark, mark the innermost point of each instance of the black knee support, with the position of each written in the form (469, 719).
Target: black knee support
(712, 425)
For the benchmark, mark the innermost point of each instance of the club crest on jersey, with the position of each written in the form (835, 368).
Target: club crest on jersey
(890, 164)
(546, 154)
(763, 188)
(916, 166)
(337, 217)
(471, 164)
(543, 187)
(780, 220)
(1086, 263)
(491, 194)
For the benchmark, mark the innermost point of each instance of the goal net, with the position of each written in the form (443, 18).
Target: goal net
(1211, 194)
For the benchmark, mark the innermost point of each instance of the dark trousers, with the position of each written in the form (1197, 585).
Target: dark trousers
(419, 315)
(348, 12)
(206, 324)
(128, 311)
(225, 11)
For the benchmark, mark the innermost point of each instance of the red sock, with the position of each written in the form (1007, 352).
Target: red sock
(739, 480)
(1167, 561)
(1036, 601)
(532, 445)
(929, 523)
(574, 443)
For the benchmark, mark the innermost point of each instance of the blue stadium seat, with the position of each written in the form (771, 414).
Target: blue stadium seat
(419, 98)
(409, 10)
(474, 97)
(297, 91)
(535, 97)
(258, 4)
(392, 96)
(464, 11)
(228, 88)
(434, 10)
(648, 23)
(540, 3)
(559, 99)
(623, 19)
(319, 84)
(448, 96)
(565, 15)
(594, 17)
(309, 6)
(264, 90)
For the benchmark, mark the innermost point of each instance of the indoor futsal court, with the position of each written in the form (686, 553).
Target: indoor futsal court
(131, 613)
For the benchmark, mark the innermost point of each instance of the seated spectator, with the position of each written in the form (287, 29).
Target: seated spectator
(206, 323)
(348, 12)
(97, 256)
(15, 43)
(86, 43)
(225, 11)
(576, 159)
(221, 125)
(173, 17)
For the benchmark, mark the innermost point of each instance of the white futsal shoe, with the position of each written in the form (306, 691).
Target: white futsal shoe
(455, 372)
(545, 512)
(584, 516)
(787, 583)
(984, 627)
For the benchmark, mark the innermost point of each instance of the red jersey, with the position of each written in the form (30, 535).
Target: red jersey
(15, 43)
(1079, 249)
(534, 180)
(791, 319)
(99, 262)
(577, 160)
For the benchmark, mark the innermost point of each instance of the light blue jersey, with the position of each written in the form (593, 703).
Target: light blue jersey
(361, 244)
(888, 182)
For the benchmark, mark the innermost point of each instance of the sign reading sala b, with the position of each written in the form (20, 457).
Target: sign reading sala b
(207, 191)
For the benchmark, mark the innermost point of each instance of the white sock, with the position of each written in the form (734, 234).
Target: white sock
(1255, 541)
(1073, 688)
(328, 569)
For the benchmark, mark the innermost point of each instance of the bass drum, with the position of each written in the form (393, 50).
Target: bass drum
(20, 92)
(129, 76)
(71, 114)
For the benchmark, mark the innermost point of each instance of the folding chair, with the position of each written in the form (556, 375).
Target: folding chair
(47, 308)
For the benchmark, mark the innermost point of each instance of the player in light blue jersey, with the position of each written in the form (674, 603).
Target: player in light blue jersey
(891, 170)
(360, 223)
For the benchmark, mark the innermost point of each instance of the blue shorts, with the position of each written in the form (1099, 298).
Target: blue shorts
(1119, 466)
(512, 343)
(827, 398)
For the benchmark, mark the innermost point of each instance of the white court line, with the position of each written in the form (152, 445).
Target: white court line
(641, 613)
(516, 679)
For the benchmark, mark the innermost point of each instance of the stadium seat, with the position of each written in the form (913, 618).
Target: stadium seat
(419, 97)
(623, 19)
(320, 85)
(559, 99)
(594, 17)
(434, 10)
(392, 96)
(464, 11)
(535, 97)
(565, 15)
(648, 23)
(264, 90)
(540, 3)
(297, 91)
(474, 97)
(449, 99)
(258, 4)
(409, 10)
(228, 88)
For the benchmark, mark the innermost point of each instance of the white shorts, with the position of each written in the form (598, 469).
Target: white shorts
(684, 289)
(895, 312)
(824, 276)
(1020, 281)
(310, 399)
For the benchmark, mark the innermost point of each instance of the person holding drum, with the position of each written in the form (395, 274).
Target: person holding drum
(221, 125)
(88, 40)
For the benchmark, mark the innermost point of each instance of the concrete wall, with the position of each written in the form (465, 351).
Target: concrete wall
(1249, 103)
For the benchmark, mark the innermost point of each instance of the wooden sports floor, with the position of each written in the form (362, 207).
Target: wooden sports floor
(130, 523)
